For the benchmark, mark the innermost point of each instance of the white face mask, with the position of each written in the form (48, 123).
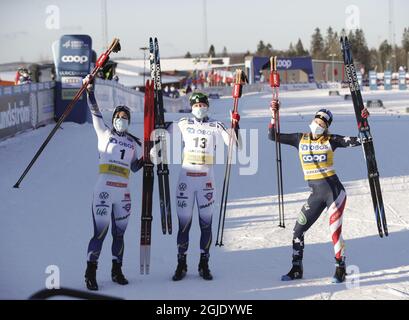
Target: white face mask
(200, 113)
(316, 128)
(120, 124)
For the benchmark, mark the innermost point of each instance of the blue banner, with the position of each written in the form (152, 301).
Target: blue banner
(283, 63)
(387, 80)
(402, 80)
(373, 84)
(73, 55)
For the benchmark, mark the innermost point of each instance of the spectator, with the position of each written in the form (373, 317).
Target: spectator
(23, 76)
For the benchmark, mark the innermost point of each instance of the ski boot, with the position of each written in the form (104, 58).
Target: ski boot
(181, 268)
(295, 273)
(116, 273)
(204, 270)
(91, 275)
(340, 271)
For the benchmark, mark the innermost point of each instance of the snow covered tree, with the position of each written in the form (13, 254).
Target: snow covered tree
(264, 50)
(332, 43)
(212, 51)
(405, 39)
(299, 48)
(360, 49)
(291, 51)
(385, 52)
(405, 45)
(317, 45)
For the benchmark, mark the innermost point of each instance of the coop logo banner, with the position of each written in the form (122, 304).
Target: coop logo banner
(284, 63)
(387, 78)
(75, 52)
(402, 80)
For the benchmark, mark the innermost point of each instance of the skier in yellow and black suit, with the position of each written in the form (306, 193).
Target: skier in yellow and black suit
(316, 153)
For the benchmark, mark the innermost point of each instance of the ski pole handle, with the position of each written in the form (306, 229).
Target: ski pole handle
(274, 79)
(274, 75)
(237, 91)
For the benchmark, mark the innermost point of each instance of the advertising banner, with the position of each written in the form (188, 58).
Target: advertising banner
(17, 113)
(373, 84)
(25, 107)
(283, 63)
(73, 64)
(402, 80)
(387, 80)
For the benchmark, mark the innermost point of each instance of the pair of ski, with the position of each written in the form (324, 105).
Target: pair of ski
(237, 93)
(154, 136)
(366, 138)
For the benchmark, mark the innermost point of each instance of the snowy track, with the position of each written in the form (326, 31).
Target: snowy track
(48, 220)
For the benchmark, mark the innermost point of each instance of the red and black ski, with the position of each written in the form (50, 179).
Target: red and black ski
(160, 132)
(366, 138)
(148, 178)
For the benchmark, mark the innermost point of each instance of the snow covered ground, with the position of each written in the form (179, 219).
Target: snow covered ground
(48, 220)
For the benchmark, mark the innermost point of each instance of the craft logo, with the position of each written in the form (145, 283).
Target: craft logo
(122, 218)
(206, 205)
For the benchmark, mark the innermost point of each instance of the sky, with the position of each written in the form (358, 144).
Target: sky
(28, 28)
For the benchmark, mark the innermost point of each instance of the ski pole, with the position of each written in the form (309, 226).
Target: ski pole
(237, 92)
(114, 47)
(275, 84)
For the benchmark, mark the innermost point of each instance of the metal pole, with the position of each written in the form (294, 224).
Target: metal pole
(144, 67)
(333, 68)
(333, 55)
(205, 27)
(407, 64)
(104, 25)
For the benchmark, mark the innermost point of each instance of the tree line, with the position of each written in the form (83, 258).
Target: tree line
(327, 47)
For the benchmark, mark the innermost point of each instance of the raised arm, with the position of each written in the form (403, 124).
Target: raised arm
(97, 120)
(292, 139)
(338, 141)
(227, 133)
